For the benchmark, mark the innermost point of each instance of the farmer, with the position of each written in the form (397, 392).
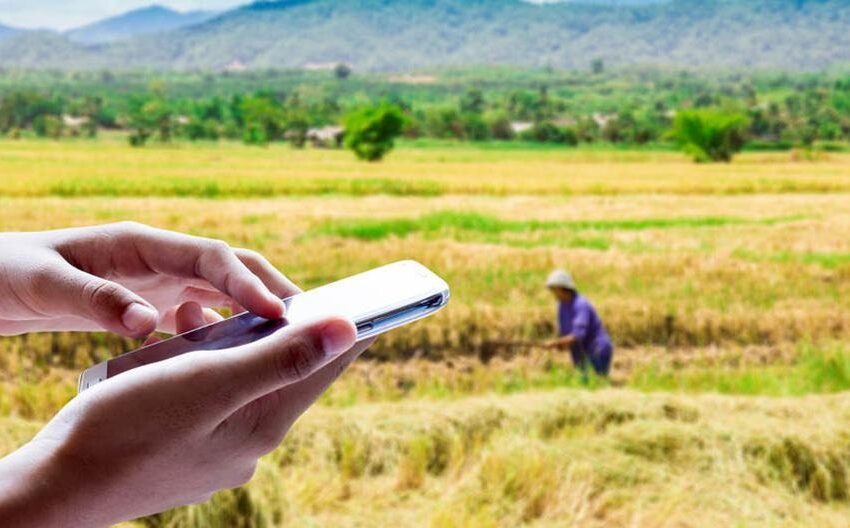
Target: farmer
(579, 326)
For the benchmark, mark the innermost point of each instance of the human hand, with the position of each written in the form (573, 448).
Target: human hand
(126, 278)
(172, 433)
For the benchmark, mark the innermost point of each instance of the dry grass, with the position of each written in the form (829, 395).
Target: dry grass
(714, 285)
(562, 458)
(755, 282)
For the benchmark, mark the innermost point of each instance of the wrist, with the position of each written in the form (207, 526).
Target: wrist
(38, 490)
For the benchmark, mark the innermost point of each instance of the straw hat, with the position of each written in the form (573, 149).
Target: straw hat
(561, 279)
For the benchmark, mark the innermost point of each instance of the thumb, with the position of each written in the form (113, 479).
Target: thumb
(291, 355)
(113, 307)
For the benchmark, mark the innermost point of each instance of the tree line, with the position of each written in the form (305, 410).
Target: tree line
(710, 125)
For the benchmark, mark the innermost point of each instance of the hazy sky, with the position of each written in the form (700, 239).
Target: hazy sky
(64, 14)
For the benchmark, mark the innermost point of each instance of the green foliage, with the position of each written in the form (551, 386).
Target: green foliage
(370, 132)
(615, 106)
(549, 133)
(262, 119)
(488, 226)
(151, 116)
(342, 71)
(709, 135)
(48, 126)
(597, 66)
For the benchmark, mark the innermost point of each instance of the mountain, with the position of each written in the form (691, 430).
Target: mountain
(144, 21)
(401, 35)
(6, 31)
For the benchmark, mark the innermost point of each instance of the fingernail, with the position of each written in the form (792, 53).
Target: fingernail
(279, 302)
(138, 317)
(337, 339)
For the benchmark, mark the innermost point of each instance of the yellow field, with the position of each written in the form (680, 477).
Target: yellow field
(109, 167)
(721, 278)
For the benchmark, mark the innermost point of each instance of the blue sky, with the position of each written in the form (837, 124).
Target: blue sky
(65, 14)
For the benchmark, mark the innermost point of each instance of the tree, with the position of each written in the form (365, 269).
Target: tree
(597, 66)
(149, 116)
(500, 125)
(48, 126)
(472, 102)
(342, 71)
(371, 131)
(546, 132)
(262, 120)
(709, 135)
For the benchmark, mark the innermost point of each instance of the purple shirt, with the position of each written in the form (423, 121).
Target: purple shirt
(579, 318)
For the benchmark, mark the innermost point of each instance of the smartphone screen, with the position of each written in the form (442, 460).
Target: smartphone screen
(377, 301)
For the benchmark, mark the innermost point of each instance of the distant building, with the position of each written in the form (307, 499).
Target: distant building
(322, 66)
(518, 127)
(602, 120)
(235, 67)
(412, 79)
(565, 122)
(326, 137)
(74, 122)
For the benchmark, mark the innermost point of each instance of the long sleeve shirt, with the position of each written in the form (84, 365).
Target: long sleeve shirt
(579, 319)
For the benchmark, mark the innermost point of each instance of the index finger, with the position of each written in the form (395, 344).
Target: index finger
(215, 261)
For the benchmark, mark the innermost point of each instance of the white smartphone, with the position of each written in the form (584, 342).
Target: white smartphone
(377, 301)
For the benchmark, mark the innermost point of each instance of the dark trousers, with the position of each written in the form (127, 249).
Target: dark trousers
(598, 357)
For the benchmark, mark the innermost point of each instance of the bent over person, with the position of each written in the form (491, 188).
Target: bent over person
(579, 326)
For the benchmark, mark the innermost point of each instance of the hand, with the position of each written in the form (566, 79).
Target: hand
(560, 343)
(172, 433)
(126, 278)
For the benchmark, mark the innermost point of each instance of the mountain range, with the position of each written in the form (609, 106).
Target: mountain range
(145, 21)
(6, 31)
(403, 35)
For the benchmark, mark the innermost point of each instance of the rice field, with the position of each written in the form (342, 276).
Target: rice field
(725, 287)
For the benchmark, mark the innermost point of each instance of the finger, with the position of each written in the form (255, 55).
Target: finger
(207, 298)
(271, 277)
(188, 317)
(212, 260)
(168, 322)
(73, 292)
(244, 374)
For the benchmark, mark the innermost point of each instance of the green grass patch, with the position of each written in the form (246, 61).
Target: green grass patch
(455, 221)
(259, 188)
(817, 371)
(824, 259)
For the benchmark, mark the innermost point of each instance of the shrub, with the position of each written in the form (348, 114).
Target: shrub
(709, 135)
(549, 133)
(48, 126)
(370, 132)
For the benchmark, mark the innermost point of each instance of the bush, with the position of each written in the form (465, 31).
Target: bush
(371, 131)
(500, 125)
(549, 133)
(48, 126)
(710, 135)
(475, 128)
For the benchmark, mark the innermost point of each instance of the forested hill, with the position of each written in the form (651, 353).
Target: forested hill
(145, 21)
(6, 31)
(400, 35)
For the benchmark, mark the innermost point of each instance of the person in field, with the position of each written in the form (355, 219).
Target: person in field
(579, 327)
